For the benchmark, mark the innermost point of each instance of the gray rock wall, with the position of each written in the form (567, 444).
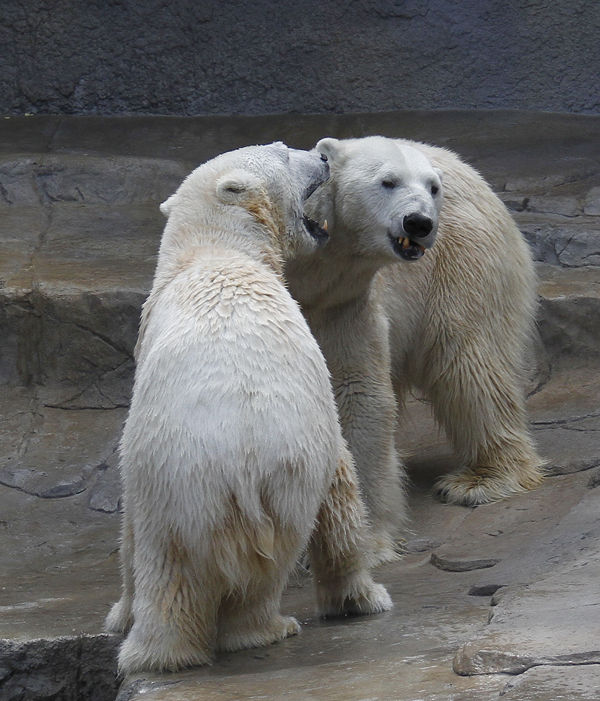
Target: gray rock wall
(186, 57)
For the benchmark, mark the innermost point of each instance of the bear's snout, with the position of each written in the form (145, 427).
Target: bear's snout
(417, 225)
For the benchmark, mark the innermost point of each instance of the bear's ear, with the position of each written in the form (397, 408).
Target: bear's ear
(238, 187)
(329, 147)
(439, 172)
(167, 206)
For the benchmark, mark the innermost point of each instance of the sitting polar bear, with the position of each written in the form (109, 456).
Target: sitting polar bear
(232, 450)
(455, 323)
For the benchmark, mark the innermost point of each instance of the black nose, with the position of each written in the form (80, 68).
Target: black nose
(417, 225)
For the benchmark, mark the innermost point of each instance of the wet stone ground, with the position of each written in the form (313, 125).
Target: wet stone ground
(498, 601)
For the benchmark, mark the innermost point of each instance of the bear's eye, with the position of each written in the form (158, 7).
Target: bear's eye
(389, 184)
(434, 189)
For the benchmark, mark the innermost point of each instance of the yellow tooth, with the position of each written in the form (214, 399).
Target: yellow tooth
(324, 227)
(405, 243)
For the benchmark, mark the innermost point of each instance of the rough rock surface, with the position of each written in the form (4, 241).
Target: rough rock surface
(210, 57)
(554, 684)
(79, 230)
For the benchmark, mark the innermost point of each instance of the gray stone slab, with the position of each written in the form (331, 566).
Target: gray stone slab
(581, 683)
(62, 450)
(21, 229)
(495, 531)
(566, 421)
(27, 134)
(566, 205)
(551, 621)
(568, 398)
(29, 180)
(89, 247)
(569, 315)
(591, 203)
(568, 241)
(571, 447)
(372, 680)
(67, 668)
(573, 538)
(402, 654)
(70, 320)
(505, 145)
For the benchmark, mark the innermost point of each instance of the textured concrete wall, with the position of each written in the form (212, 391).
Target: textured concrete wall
(265, 56)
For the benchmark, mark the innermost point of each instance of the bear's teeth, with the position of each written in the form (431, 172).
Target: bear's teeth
(324, 225)
(405, 242)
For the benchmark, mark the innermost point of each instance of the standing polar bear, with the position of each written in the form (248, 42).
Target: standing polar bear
(454, 323)
(232, 452)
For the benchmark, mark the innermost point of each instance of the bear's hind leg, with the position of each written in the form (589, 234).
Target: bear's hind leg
(174, 612)
(253, 619)
(339, 551)
(120, 618)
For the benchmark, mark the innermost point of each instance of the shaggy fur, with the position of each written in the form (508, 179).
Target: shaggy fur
(232, 447)
(454, 324)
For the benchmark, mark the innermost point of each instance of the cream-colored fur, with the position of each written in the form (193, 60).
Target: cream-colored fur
(454, 324)
(232, 447)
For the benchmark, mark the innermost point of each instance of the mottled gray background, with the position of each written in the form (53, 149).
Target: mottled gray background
(186, 57)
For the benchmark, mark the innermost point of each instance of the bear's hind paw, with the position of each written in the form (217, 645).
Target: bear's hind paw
(170, 655)
(360, 597)
(119, 619)
(279, 628)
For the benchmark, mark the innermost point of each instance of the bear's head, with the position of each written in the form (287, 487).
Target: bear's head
(384, 194)
(260, 191)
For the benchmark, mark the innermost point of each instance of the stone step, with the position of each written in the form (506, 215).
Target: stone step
(46, 179)
(70, 304)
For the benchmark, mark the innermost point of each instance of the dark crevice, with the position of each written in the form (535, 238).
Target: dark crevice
(87, 408)
(102, 337)
(562, 422)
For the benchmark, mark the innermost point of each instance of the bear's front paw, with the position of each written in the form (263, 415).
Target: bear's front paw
(483, 485)
(357, 596)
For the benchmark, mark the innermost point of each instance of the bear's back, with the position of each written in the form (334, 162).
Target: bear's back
(244, 380)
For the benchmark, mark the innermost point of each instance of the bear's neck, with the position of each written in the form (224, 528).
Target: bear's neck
(183, 242)
(331, 277)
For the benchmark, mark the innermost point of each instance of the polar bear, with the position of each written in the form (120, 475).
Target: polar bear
(232, 450)
(392, 311)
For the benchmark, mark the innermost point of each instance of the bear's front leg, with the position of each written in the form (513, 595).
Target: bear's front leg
(355, 343)
(481, 406)
(339, 550)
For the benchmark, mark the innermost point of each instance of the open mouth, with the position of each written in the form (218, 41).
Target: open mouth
(318, 232)
(406, 249)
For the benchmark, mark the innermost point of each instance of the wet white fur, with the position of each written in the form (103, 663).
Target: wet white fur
(232, 443)
(455, 323)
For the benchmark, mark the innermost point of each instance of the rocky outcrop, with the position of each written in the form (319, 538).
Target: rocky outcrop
(79, 231)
